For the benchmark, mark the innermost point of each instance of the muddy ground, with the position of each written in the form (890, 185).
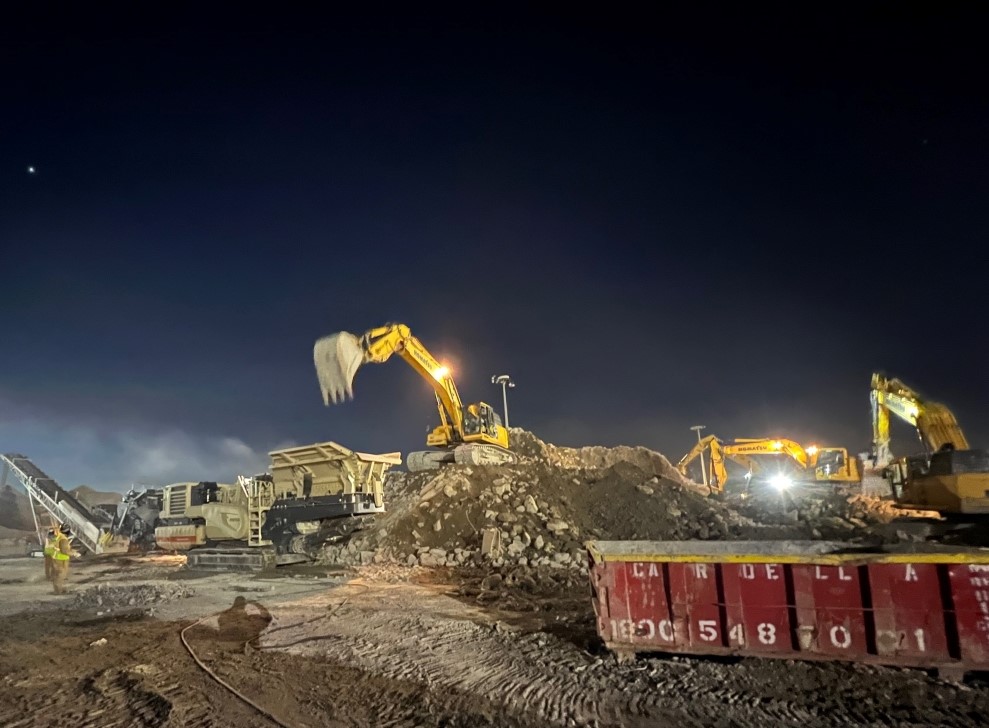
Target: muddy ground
(392, 646)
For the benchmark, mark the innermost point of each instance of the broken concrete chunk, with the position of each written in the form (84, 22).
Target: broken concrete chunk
(490, 542)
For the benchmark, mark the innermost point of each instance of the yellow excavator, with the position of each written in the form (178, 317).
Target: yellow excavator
(467, 434)
(949, 476)
(813, 464)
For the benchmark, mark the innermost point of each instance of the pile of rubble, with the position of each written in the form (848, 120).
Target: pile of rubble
(105, 598)
(833, 516)
(539, 511)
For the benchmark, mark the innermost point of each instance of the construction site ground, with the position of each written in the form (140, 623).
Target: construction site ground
(466, 604)
(391, 645)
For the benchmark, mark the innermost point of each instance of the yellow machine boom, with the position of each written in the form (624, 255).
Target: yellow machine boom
(467, 434)
(935, 423)
(828, 464)
(949, 477)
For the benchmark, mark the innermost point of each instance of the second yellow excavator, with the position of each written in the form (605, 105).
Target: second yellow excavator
(807, 465)
(468, 434)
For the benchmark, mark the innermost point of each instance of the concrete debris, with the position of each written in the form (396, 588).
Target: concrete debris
(539, 512)
(106, 598)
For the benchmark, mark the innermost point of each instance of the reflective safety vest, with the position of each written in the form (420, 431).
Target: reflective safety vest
(50, 547)
(59, 556)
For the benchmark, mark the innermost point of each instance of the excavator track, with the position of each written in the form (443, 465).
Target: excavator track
(470, 454)
(423, 460)
(476, 453)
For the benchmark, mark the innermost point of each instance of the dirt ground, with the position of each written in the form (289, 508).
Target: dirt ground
(391, 646)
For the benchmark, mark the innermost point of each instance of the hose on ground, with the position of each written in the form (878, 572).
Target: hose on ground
(231, 688)
(223, 682)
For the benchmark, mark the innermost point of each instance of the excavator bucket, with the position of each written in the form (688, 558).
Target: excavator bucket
(337, 358)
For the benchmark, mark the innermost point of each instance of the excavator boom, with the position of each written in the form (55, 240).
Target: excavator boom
(745, 451)
(935, 423)
(473, 432)
(949, 477)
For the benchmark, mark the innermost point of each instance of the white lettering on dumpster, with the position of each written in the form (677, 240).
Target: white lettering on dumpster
(911, 574)
(626, 630)
(840, 636)
(771, 572)
(644, 571)
(767, 633)
(707, 629)
(821, 576)
(921, 644)
(747, 571)
(700, 571)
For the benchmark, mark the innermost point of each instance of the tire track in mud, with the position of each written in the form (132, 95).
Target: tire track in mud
(516, 672)
(541, 679)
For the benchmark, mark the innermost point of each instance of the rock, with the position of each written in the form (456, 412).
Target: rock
(530, 505)
(491, 582)
(561, 558)
(645, 489)
(526, 538)
(433, 557)
(520, 509)
(449, 491)
(501, 489)
(674, 511)
(490, 542)
(557, 526)
(490, 515)
(516, 547)
(438, 526)
(792, 516)
(538, 543)
(506, 517)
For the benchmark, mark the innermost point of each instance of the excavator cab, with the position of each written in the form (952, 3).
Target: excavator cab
(481, 419)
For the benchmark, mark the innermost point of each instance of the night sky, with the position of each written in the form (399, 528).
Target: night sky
(729, 218)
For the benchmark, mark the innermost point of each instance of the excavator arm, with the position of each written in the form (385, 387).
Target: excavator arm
(473, 433)
(339, 356)
(935, 423)
(718, 473)
(750, 446)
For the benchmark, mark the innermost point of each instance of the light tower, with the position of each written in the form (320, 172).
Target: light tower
(505, 381)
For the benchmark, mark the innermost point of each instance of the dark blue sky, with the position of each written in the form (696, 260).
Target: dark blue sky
(720, 216)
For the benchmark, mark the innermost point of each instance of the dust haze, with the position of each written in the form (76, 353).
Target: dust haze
(113, 456)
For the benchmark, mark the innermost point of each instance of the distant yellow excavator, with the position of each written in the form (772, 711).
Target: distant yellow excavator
(949, 477)
(821, 464)
(471, 434)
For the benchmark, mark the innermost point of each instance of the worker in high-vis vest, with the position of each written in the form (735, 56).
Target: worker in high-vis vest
(60, 562)
(49, 553)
